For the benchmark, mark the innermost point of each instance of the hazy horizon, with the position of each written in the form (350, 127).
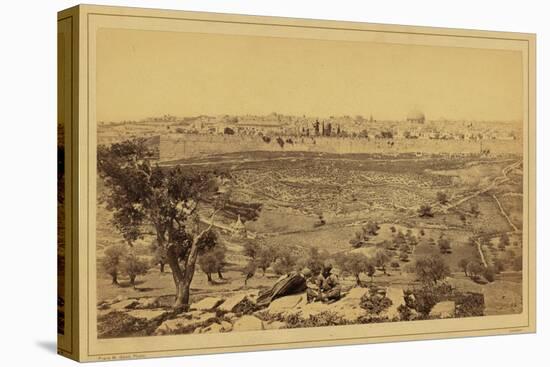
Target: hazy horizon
(143, 74)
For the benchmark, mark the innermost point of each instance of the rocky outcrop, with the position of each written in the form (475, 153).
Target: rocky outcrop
(186, 323)
(443, 310)
(147, 314)
(283, 304)
(236, 303)
(397, 298)
(248, 323)
(208, 303)
(123, 305)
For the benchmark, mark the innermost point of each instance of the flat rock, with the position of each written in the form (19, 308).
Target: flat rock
(212, 328)
(149, 302)
(356, 293)
(274, 325)
(443, 309)
(122, 305)
(283, 304)
(208, 303)
(147, 314)
(397, 298)
(186, 323)
(248, 323)
(232, 303)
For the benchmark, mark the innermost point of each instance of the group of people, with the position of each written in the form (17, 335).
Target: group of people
(324, 287)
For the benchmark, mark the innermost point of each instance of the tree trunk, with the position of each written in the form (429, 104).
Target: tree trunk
(115, 279)
(177, 274)
(220, 275)
(357, 280)
(209, 276)
(162, 264)
(132, 280)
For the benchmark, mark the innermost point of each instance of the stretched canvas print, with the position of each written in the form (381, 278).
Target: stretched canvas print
(235, 183)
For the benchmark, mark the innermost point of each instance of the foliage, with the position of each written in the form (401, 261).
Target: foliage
(463, 264)
(444, 245)
(111, 263)
(425, 211)
(355, 264)
(431, 269)
(212, 260)
(469, 304)
(475, 268)
(134, 266)
(442, 198)
(374, 303)
(381, 259)
(286, 259)
(141, 194)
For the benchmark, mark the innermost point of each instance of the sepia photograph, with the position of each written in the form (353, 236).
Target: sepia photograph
(251, 183)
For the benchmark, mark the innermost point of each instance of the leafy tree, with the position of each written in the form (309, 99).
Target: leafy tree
(133, 266)
(159, 256)
(353, 264)
(371, 228)
(249, 270)
(425, 211)
(286, 259)
(212, 258)
(475, 268)
(111, 263)
(489, 274)
(431, 269)
(142, 195)
(474, 209)
(504, 241)
(313, 260)
(381, 259)
(463, 264)
(404, 248)
(442, 198)
(266, 256)
(444, 245)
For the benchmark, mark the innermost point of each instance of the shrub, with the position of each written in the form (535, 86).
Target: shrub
(374, 303)
(431, 269)
(469, 304)
(489, 274)
(133, 266)
(111, 263)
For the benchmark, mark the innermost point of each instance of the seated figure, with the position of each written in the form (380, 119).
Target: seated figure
(325, 287)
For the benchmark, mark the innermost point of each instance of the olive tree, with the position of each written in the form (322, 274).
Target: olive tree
(168, 200)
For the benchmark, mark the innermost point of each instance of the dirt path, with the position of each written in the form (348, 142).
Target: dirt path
(481, 254)
(496, 181)
(505, 215)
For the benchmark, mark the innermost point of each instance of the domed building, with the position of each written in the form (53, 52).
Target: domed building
(238, 228)
(416, 117)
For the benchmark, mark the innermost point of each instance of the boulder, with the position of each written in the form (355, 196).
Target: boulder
(307, 310)
(149, 302)
(286, 303)
(212, 328)
(207, 303)
(356, 293)
(123, 305)
(147, 314)
(443, 310)
(248, 323)
(184, 324)
(397, 298)
(233, 303)
(274, 325)
(226, 326)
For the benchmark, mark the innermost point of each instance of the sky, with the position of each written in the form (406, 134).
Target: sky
(152, 73)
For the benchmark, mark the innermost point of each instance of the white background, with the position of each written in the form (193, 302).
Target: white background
(28, 187)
